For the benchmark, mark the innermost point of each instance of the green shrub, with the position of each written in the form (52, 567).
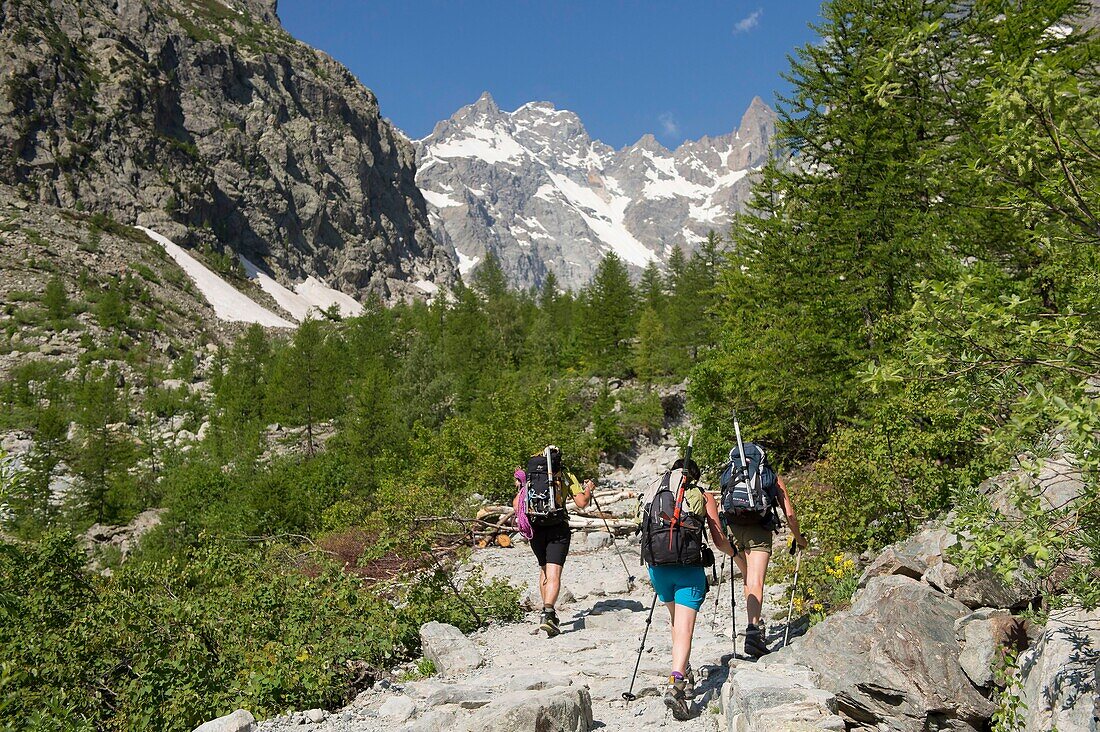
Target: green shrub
(167, 644)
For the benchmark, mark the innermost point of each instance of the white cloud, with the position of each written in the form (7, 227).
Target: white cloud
(749, 22)
(668, 124)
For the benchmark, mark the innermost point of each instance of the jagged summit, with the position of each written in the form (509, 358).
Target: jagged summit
(533, 187)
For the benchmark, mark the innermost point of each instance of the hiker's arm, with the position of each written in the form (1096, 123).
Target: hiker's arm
(515, 503)
(788, 509)
(582, 499)
(716, 534)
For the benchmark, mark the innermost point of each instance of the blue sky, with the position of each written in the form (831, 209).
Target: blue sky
(679, 70)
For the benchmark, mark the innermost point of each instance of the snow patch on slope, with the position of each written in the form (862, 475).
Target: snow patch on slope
(321, 296)
(306, 297)
(439, 200)
(492, 146)
(605, 218)
(228, 302)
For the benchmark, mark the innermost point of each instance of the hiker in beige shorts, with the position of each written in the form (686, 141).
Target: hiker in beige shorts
(754, 548)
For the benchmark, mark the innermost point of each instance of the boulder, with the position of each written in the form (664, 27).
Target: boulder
(779, 699)
(892, 659)
(983, 587)
(891, 561)
(397, 709)
(239, 721)
(446, 647)
(981, 634)
(1060, 676)
(434, 720)
(598, 540)
(558, 709)
(436, 693)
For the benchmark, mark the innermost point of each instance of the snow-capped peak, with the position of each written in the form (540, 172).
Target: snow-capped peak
(534, 188)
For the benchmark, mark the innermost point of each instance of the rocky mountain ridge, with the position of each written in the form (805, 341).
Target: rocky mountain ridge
(206, 121)
(532, 187)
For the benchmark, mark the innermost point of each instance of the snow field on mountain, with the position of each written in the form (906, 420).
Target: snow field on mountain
(605, 218)
(228, 302)
(311, 295)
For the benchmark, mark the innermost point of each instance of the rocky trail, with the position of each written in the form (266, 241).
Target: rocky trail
(916, 651)
(505, 676)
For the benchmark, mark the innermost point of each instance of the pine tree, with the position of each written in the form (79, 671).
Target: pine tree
(834, 240)
(654, 357)
(103, 459)
(651, 289)
(609, 313)
(307, 383)
(56, 299)
(32, 505)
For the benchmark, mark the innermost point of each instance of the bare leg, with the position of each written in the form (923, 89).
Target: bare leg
(683, 626)
(757, 562)
(550, 583)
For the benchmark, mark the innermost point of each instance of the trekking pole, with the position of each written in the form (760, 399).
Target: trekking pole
(794, 588)
(733, 611)
(629, 576)
(717, 595)
(628, 695)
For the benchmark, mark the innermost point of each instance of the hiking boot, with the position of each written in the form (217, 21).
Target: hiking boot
(689, 679)
(756, 640)
(676, 698)
(549, 623)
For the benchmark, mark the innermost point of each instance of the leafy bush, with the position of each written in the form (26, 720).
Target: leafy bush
(167, 644)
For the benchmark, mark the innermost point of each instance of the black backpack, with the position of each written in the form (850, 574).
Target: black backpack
(671, 536)
(545, 493)
(749, 492)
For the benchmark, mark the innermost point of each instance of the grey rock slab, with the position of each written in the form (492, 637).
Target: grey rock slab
(782, 698)
(434, 720)
(891, 561)
(315, 715)
(982, 634)
(397, 709)
(597, 540)
(560, 709)
(446, 647)
(434, 693)
(892, 659)
(1060, 675)
(239, 721)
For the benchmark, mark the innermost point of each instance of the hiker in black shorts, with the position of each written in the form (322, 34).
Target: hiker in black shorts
(542, 517)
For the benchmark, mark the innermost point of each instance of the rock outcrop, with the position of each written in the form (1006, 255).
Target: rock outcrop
(534, 189)
(893, 659)
(207, 122)
(1060, 676)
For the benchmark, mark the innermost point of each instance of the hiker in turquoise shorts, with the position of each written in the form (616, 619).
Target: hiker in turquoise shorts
(675, 517)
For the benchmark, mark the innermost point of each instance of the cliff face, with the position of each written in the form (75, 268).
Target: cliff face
(206, 121)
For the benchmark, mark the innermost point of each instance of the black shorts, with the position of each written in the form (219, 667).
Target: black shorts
(551, 543)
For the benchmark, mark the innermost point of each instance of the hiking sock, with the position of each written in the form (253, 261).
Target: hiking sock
(676, 698)
(689, 679)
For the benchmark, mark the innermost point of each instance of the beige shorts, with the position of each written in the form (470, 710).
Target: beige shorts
(751, 538)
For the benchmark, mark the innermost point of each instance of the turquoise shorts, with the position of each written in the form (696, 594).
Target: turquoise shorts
(685, 586)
